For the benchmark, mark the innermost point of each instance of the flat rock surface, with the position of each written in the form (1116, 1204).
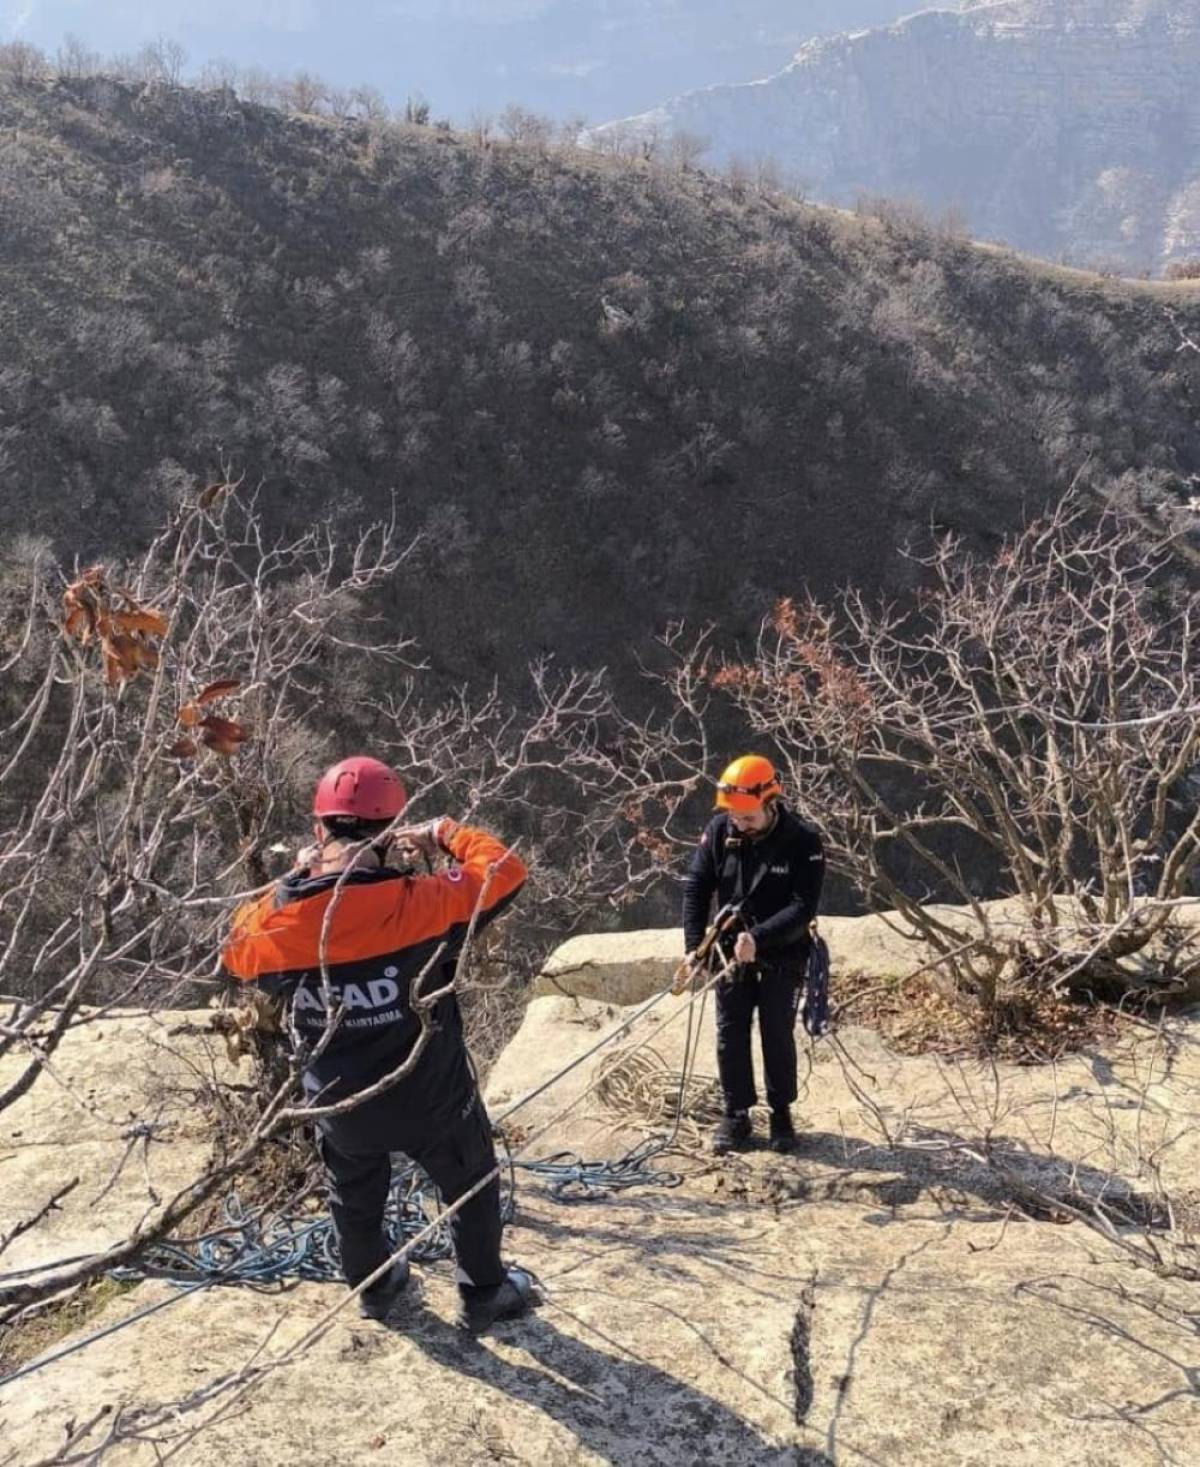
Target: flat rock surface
(864, 1300)
(116, 1114)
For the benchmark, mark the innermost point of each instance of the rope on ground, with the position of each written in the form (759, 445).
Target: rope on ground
(101, 1334)
(574, 1180)
(643, 1085)
(251, 1250)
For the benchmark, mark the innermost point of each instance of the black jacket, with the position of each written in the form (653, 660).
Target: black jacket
(779, 903)
(385, 928)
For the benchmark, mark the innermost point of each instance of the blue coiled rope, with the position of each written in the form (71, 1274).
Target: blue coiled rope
(256, 1251)
(573, 1180)
(259, 1252)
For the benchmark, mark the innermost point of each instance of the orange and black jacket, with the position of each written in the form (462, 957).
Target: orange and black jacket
(384, 930)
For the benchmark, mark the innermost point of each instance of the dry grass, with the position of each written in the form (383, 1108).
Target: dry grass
(20, 1343)
(919, 1016)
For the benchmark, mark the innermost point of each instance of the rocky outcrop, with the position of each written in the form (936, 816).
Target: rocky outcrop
(1064, 127)
(628, 967)
(882, 1295)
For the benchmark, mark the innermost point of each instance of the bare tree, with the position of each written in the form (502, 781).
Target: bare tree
(75, 59)
(650, 140)
(571, 131)
(525, 128)
(369, 104)
(162, 721)
(615, 140)
(740, 175)
(1029, 726)
(258, 87)
(768, 177)
(687, 148)
(150, 741)
(23, 63)
(480, 129)
(160, 60)
(218, 73)
(304, 93)
(340, 101)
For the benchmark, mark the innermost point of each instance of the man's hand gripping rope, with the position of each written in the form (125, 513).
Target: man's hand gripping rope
(695, 962)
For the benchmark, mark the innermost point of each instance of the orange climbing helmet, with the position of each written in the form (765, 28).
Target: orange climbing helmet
(747, 784)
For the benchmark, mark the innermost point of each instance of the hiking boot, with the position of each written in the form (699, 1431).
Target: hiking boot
(481, 1308)
(783, 1133)
(731, 1132)
(378, 1301)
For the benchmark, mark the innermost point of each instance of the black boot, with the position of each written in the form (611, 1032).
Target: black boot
(377, 1301)
(481, 1308)
(783, 1133)
(733, 1128)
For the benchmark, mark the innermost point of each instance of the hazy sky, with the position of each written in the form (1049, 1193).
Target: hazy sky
(598, 58)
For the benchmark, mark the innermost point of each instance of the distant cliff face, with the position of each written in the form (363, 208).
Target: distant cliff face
(1065, 127)
(570, 59)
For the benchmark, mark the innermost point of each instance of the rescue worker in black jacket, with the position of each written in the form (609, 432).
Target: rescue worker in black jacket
(758, 855)
(385, 928)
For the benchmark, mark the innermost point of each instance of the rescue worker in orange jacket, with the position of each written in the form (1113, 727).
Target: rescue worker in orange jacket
(385, 929)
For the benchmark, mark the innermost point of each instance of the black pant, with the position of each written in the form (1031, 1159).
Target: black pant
(776, 995)
(356, 1150)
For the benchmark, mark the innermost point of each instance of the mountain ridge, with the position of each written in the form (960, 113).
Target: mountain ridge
(1062, 128)
(605, 397)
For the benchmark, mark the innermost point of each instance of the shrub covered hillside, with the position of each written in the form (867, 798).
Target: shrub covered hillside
(606, 394)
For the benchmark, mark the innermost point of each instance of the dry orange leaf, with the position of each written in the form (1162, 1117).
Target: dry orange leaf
(188, 715)
(123, 635)
(79, 610)
(222, 735)
(122, 656)
(218, 744)
(225, 728)
(151, 623)
(220, 689)
(78, 622)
